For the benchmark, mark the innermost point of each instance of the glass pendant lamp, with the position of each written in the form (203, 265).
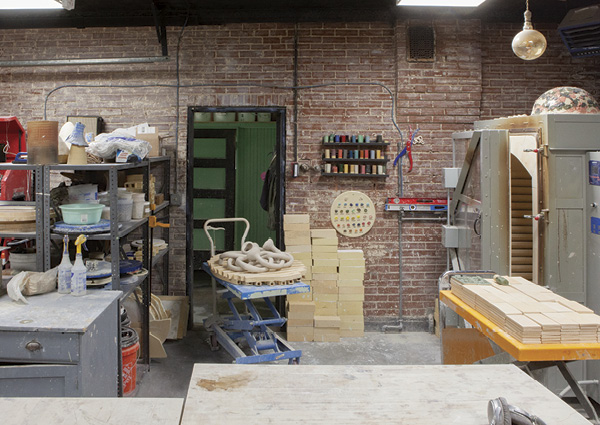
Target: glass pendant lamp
(529, 44)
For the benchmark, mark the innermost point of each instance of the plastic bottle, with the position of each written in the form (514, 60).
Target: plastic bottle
(64, 269)
(79, 271)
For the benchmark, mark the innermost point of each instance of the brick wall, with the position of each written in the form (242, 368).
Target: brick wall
(475, 75)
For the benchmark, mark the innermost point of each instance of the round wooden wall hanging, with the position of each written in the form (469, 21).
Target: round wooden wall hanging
(352, 213)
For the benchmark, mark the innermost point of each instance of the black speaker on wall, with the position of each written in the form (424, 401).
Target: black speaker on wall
(421, 43)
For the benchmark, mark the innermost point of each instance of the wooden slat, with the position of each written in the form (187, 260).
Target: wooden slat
(521, 253)
(522, 230)
(522, 244)
(517, 268)
(520, 182)
(520, 190)
(520, 198)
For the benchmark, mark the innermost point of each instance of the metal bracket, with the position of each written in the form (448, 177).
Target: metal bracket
(161, 29)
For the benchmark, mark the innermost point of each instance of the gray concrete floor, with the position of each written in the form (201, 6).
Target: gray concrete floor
(170, 377)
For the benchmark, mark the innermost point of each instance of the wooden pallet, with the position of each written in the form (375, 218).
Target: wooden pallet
(287, 276)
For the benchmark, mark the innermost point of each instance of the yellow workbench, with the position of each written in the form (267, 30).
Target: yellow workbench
(535, 356)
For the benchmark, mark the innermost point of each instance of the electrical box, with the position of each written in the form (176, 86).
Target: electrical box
(455, 236)
(451, 177)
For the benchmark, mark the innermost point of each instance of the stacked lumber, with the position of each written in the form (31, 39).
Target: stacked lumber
(327, 328)
(325, 271)
(351, 292)
(528, 312)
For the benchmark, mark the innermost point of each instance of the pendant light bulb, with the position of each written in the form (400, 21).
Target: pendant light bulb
(529, 44)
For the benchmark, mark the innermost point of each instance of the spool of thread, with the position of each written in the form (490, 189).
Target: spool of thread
(328, 168)
(331, 138)
(356, 154)
(372, 154)
(343, 139)
(353, 138)
(380, 169)
(346, 168)
(367, 139)
(42, 142)
(362, 169)
(334, 168)
(327, 153)
(379, 138)
(340, 153)
(325, 139)
(336, 138)
(361, 138)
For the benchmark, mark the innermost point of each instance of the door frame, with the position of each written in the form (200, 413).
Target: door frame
(280, 118)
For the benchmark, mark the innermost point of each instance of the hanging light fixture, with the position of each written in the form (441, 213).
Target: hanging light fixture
(529, 44)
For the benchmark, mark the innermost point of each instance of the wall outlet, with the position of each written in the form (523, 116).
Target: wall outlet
(176, 199)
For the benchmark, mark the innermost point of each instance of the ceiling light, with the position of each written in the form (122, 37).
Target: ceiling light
(440, 3)
(529, 44)
(37, 4)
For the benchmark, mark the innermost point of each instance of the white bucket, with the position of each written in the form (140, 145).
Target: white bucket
(105, 213)
(125, 209)
(125, 195)
(138, 206)
(83, 194)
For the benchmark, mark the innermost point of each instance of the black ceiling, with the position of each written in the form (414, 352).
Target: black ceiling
(111, 13)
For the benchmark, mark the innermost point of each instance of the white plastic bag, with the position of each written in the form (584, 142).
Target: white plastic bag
(31, 283)
(106, 145)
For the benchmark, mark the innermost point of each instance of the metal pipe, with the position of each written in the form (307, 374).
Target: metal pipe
(103, 61)
(423, 218)
(295, 92)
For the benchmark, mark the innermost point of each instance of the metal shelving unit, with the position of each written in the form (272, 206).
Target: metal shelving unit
(115, 235)
(38, 235)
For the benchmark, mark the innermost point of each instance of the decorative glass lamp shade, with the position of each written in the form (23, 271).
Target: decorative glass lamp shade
(565, 100)
(529, 44)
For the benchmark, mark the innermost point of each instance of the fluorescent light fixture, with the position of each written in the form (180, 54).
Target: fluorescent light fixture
(32, 4)
(440, 3)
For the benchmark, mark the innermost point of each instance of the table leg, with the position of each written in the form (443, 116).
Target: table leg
(581, 396)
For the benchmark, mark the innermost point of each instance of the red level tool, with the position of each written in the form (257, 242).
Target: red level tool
(416, 204)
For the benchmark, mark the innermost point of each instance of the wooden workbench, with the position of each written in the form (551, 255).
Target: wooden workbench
(410, 395)
(91, 411)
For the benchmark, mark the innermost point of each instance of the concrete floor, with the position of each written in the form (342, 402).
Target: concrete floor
(170, 377)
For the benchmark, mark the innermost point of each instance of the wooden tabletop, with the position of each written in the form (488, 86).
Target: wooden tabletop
(411, 395)
(91, 411)
(520, 351)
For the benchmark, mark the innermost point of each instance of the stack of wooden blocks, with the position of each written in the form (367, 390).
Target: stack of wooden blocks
(325, 290)
(300, 307)
(336, 280)
(351, 292)
(528, 312)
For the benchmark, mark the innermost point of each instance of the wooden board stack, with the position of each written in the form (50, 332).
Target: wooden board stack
(296, 227)
(300, 307)
(528, 312)
(351, 273)
(301, 317)
(327, 328)
(325, 271)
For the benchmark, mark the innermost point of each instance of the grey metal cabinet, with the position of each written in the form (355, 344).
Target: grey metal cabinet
(60, 345)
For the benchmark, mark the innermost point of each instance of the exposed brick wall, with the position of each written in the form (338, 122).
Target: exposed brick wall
(475, 75)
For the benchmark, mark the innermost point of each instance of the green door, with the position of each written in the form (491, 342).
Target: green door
(213, 189)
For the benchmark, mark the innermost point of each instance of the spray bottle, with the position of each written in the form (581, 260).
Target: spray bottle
(79, 271)
(64, 269)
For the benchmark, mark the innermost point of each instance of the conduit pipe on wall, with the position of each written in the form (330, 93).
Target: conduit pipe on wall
(99, 61)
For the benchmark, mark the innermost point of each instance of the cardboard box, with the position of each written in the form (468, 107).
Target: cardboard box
(295, 249)
(300, 333)
(325, 242)
(325, 276)
(153, 138)
(326, 289)
(326, 308)
(301, 307)
(296, 227)
(350, 308)
(325, 262)
(351, 297)
(350, 282)
(300, 322)
(325, 248)
(302, 256)
(324, 269)
(351, 262)
(323, 233)
(327, 322)
(350, 253)
(326, 334)
(296, 218)
(320, 297)
(349, 333)
(296, 238)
